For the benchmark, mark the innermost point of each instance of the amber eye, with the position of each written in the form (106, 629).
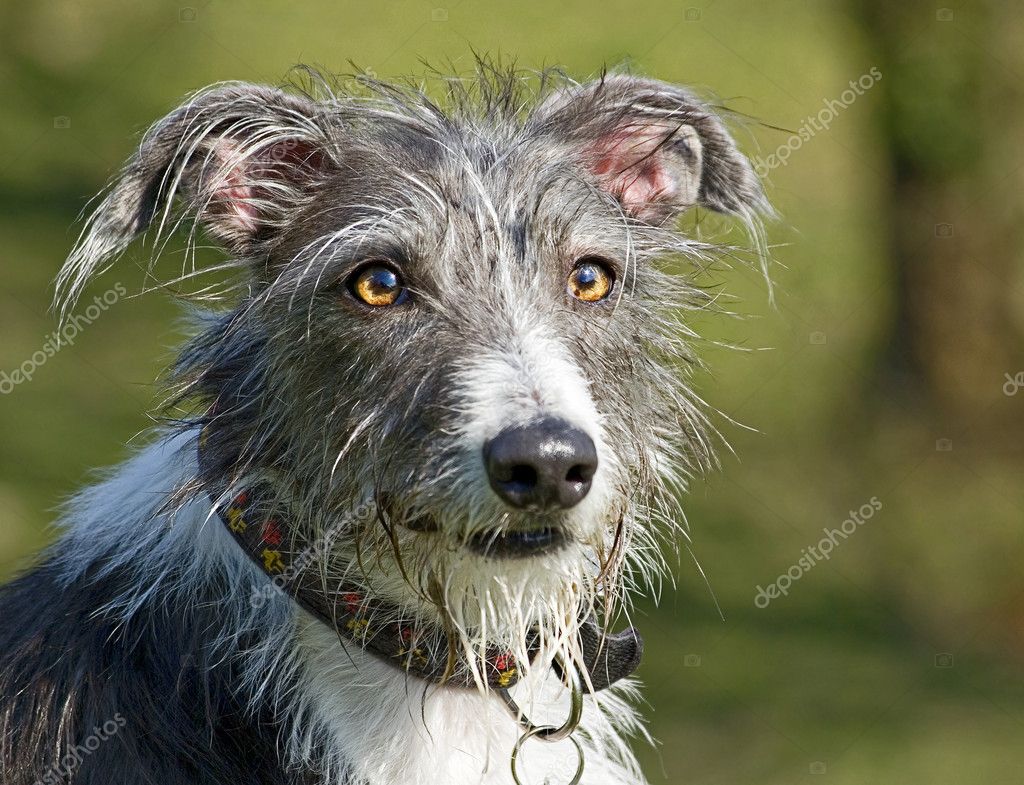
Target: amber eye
(378, 285)
(591, 280)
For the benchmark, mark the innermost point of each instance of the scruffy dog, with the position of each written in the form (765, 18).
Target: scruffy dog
(413, 461)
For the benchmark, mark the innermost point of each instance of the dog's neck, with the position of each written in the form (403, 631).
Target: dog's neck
(426, 734)
(353, 718)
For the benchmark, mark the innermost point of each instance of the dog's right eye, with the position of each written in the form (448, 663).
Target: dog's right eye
(591, 280)
(378, 285)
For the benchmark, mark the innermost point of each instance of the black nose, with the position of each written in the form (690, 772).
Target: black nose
(544, 466)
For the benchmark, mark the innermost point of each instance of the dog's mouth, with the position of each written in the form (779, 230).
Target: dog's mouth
(517, 543)
(501, 543)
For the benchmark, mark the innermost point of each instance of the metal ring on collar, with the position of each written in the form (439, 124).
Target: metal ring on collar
(536, 731)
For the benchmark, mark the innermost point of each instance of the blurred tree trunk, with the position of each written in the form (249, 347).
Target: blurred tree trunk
(953, 127)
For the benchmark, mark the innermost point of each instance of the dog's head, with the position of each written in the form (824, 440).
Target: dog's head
(453, 340)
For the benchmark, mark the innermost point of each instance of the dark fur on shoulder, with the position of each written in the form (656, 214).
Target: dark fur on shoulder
(87, 698)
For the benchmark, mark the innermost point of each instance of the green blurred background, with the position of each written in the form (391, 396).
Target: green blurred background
(889, 367)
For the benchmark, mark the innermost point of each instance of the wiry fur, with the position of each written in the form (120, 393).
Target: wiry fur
(372, 421)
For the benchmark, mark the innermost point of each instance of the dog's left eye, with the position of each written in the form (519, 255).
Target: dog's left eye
(591, 280)
(378, 284)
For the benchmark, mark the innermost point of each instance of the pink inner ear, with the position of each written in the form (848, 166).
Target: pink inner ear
(237, 194)
(231, 209)
(629, 166)
(235, 200)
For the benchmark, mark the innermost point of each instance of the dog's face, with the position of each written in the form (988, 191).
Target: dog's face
(454, 319)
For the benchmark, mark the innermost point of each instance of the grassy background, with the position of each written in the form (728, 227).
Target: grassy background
(899, 659)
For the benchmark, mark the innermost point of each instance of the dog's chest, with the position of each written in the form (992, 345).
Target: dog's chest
(380, 729)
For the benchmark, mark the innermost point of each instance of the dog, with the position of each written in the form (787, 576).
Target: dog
(428, 436)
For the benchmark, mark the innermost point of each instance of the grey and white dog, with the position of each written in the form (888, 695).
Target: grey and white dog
(454, 362)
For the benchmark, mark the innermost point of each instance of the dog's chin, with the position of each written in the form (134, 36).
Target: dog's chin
(493, 592)
(510, 595)
(499, 583)
(535, 570)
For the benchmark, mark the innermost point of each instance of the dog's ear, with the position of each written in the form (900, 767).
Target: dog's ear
(237, 156)
(655, 147)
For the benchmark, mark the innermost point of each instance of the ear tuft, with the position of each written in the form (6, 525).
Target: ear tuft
(652, 169)
(240, 187)
(656, 148)
(238, 157)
